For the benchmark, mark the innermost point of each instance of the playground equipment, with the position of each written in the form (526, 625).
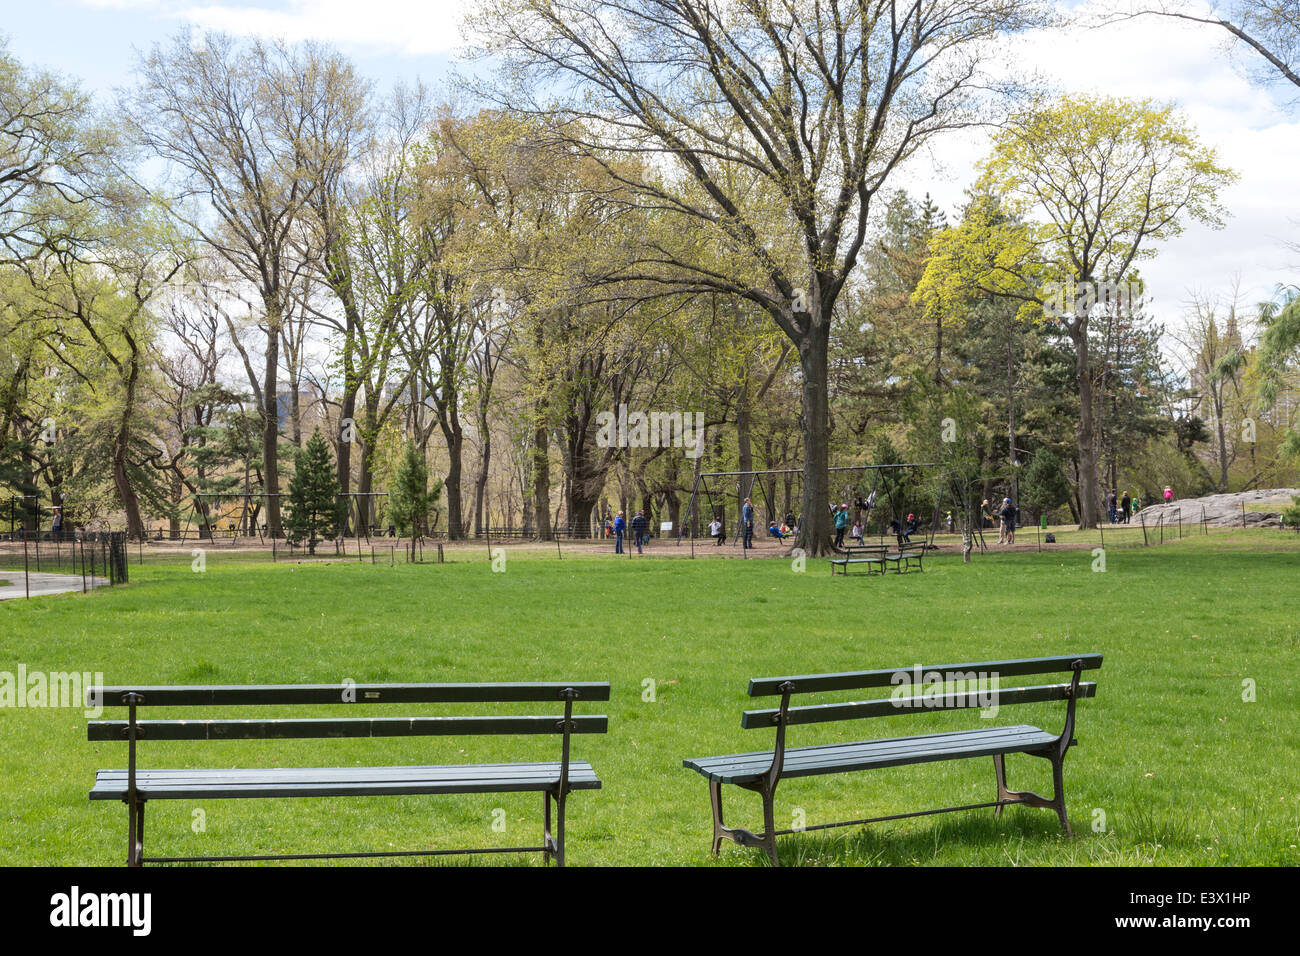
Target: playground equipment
(889, 485)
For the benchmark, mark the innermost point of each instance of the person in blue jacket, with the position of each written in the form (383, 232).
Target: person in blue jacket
(619, 527)
(747, 520)
(841, 525)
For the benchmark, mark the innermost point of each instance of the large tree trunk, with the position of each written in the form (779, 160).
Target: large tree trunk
(271, 431)
(121, 444)
(1217, 392)
(449, 421)
(815, 523)
(480, 483)
(541, 481)
(365, 517)
(346, 415)
(744, 454)
(455, 519)
(122, 482)
(1085, 433)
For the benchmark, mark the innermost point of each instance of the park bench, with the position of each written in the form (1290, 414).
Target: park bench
(872, 555)
(761, 771)
(135, 786)
(905, 557)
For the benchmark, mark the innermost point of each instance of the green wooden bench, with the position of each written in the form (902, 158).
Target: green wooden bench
(761, 771)
(871, 555)
(136, 786)
(905, 557)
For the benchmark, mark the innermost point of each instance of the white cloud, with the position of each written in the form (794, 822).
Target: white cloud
(404, 27)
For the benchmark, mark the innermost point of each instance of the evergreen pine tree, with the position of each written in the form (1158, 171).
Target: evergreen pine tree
(408, 500)
(313, 493)
(1044, 486)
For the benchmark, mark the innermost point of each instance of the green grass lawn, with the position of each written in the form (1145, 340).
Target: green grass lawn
(1173, 767)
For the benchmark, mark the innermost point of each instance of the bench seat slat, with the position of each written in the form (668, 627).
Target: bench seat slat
(343, 781)
(863, 755)
(854, 680)
(327, 727)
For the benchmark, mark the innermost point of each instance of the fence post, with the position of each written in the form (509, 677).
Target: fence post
(27, 576)
(1142, 516)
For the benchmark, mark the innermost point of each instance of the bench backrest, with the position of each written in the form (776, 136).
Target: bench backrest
(345, 694)
(976, 685)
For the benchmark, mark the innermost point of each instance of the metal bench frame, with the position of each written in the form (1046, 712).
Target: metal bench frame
(877, 555)
(904, 556)
(767, 783)
(133, 731)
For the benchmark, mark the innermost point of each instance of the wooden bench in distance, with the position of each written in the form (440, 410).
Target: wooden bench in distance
(906, 555)
(761, 771)
(554, 779)
(871, 555)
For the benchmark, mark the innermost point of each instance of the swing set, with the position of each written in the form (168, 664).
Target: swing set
(892, 480)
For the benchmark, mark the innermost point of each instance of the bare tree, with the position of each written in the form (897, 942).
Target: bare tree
(236, 123)
(780, 121)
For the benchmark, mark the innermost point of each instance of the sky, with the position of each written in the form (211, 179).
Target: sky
(1255, 128)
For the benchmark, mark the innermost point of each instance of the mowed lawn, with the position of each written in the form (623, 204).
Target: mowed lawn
(1173, 767)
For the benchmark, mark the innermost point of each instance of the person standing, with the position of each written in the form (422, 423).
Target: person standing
(841, 525)
(56, 527)
(1169, 495)
(1112, 506)
(1008, 515)
(619, 527)
(640, 528)
(1125, 508)
(747, 524)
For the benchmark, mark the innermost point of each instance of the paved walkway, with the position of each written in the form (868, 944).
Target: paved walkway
(43, 583)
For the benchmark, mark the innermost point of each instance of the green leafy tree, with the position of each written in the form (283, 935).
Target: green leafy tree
(1088, 185)
(1279, 352)
(1291, 516)
(313, 493)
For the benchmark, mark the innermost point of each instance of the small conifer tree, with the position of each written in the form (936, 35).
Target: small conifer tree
(313, 494)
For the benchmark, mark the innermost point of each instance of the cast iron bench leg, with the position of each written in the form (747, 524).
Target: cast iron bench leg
(769, 827)
(739, 835)
(1030, 798)
(134, 833)
(559, 828)
(547, 840)
(715, 799)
